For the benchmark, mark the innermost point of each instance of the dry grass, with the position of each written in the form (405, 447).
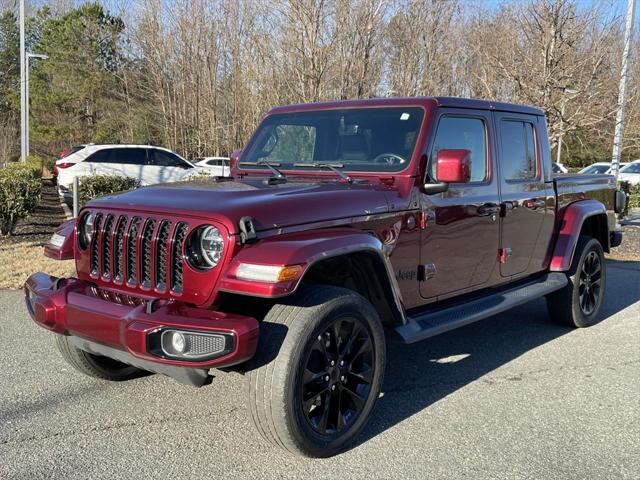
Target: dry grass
(18, 260)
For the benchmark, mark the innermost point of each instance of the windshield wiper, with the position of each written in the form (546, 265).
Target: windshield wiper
(278, 176)
(330, 166)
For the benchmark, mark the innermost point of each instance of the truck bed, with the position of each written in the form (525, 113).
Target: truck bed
(571, 187)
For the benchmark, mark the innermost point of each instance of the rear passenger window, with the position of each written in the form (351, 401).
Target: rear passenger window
(122, 156)
(101, 156)
(462, 133)
(518, 154)
(130, 156)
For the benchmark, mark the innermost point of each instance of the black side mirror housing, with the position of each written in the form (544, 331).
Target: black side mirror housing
(434, 188)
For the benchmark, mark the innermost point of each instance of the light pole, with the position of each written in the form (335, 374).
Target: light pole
(617, 137)
(26, 103)
(23, 89)
(565, 92)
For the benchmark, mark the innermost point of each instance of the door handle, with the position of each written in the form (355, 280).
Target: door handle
(534, 203)
(488, 209)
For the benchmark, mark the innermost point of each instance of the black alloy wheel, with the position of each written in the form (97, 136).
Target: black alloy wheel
(338, 375)
(589, 283)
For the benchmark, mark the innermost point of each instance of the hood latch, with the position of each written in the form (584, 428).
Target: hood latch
(247, 230)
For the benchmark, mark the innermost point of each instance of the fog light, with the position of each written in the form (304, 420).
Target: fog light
(178, 342)
(187, 345)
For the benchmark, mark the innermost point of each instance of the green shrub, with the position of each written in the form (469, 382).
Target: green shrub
(99, 185)
(20, 187)
(49, 164)
(633, 197)
(35, 163)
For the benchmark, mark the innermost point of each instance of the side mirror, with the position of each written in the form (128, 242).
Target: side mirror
(452, 166)
(233, 158)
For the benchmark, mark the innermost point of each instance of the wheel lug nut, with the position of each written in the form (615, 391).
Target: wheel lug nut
(342, 378)
(333, 387)
(319, 338)
(342, 363)
(326, 379)
(333, 363)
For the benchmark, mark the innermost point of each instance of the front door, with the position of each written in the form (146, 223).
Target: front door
(522, 191)
(459, 244)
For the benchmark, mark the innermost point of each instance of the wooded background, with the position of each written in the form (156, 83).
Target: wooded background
(197, 75)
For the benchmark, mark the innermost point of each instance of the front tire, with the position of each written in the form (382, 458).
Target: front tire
(579, 302)
(95, 366)
(318, 371)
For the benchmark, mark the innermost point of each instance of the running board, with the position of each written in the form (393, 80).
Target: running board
(436, 322)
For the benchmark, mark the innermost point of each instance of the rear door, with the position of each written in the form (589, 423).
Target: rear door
(522, 191)
(460, 242)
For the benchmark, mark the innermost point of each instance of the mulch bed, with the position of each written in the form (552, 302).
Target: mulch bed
(39, 226)
(21, 254)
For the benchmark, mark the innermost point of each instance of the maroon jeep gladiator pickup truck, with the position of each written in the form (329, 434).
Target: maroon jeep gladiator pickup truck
(416, 214)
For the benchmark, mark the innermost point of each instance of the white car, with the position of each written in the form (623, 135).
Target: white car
(219, 166)
(146, 163)
(630, 173)
(598, 168)
(558, 168)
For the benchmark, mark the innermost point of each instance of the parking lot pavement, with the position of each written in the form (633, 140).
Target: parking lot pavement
(514, 396)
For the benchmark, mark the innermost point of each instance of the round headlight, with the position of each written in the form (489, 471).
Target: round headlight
(85, 230)
(205, 247)
(211, 245)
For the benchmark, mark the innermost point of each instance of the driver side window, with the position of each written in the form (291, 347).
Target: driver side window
(462, 133)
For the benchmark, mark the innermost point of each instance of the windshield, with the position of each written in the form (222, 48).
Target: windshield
(631, 168)
(357, 139)
(596, 169)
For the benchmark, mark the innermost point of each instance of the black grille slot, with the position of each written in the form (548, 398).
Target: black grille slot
(176, 257)
(145, 253)
(95, 257)
(106, 247)
(118, 242)
(162, 240)
(132, 257)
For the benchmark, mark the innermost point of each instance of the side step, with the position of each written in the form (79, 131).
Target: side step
(439, 321)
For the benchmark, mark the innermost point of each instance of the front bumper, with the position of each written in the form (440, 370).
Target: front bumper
(120, 327)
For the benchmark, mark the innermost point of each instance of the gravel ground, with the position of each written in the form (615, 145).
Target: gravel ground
(511, 397)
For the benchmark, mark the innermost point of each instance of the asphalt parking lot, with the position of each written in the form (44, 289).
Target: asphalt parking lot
(514, 396)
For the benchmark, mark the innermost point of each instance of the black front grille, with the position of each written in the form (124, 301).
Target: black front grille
(146, 252)
(95, 245)
(176, 257)
(106, 247)
(132, 253)
(162, 239)
(118, 249)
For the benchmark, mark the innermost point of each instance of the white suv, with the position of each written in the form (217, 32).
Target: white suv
(146, 163)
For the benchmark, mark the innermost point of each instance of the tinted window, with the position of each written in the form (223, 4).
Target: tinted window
(462, 133)
(161, 158)
(216, 163)
(631, 168)
(518, 154)
(359, 139)
(123, 156)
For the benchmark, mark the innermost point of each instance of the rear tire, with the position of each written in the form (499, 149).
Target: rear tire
(95, 366)
(318, 371)
(579, 302)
